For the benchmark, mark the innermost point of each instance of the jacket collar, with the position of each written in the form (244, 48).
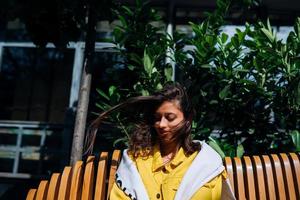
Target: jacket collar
(157, 162)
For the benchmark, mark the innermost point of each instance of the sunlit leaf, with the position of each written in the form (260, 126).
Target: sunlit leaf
(240, 151)
(214, 144)
(168, 71)
(268, 34)
(112, 90)
(145, 92)
(148, 65)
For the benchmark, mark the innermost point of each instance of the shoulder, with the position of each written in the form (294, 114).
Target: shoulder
(129, 157)
(208, 157)
(208, 150)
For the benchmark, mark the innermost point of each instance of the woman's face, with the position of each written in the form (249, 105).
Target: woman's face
(168, 116)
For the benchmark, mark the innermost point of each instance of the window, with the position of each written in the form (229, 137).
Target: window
(35, 83)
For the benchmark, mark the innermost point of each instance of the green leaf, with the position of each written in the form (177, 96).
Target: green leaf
(168, 71)
(123, 21)
(128, 10)
(214, 144)
(120, 140)
(269, 25)
(154, 70)
(241, 35)
(137, 86)
(224, 37)
(145, 92)
(206, 66)
(213, 102)
(296, 139)
(250, 44)
(102, 107)
(297, 27)
(112, 90)
(221, 4)
(268, 34)
(203, 93)
(148, 65)
(210, 40)
(131, 67)
(95, 113)
(240, 150)
(235, 42)
(224, 92)
(101, 93)
(194, 124)
(159, 86)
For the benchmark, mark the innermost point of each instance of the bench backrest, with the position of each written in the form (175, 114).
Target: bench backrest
(275, 176)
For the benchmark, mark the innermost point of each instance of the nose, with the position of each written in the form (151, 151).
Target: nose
(162, 123)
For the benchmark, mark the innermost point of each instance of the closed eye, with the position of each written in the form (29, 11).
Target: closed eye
(170, 116)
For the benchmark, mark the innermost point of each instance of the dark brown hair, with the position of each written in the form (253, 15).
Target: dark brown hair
(143, 137)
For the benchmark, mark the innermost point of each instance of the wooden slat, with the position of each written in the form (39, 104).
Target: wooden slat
(76, 183)
(65, 184)
(240, 178)
(88, 179)
(229, 169)
(270, 179)
(250, 178)
(279, 176)
(296, 167)
(101, 177)
(260, 178)
(289, 176)
(113, 168)
(42, 190)
(53, 187)
(31, 194)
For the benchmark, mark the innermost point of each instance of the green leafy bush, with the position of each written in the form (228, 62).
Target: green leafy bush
(245, 87)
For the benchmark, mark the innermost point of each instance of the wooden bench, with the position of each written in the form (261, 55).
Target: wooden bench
(275, 176)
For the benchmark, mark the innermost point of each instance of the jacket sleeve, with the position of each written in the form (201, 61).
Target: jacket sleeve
(117, 194)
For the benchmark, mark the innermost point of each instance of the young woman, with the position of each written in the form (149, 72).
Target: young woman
(162, 161)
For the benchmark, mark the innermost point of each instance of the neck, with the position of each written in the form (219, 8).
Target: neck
(169, 148)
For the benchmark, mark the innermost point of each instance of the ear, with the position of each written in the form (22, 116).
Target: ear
(187, 123)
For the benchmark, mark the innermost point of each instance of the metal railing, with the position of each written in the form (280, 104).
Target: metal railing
(13, 146)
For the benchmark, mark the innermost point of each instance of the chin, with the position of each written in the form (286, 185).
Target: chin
(165, 140)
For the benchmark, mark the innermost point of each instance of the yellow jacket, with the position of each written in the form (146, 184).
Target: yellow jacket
(149, 179)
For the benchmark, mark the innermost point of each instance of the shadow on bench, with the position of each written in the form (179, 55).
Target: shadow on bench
(275, 176)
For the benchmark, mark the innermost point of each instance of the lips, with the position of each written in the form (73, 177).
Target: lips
(163, 133)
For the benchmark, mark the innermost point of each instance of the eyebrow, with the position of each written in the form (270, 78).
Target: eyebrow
(168, 113)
